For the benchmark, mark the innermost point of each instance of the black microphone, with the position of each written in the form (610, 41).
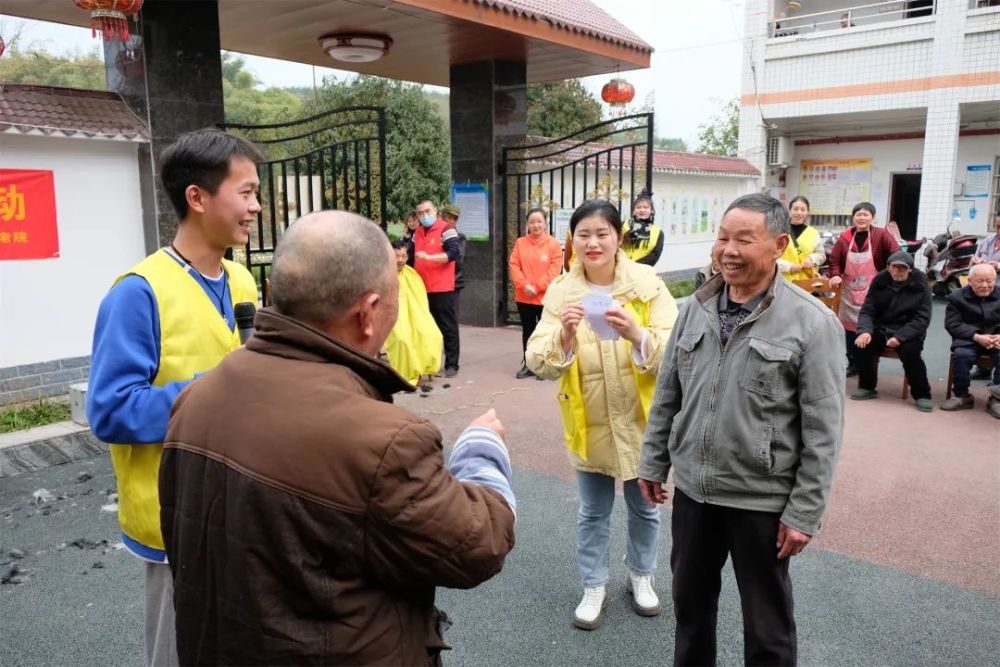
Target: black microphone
(244, 313)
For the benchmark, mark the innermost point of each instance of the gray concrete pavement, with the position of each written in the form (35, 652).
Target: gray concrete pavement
(850, 612)
(906, 572)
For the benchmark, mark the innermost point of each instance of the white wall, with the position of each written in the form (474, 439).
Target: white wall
(890, 157)
(689, 240)
(686, 245)
(48, 307)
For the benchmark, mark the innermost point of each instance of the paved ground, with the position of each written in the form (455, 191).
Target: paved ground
(905, 572)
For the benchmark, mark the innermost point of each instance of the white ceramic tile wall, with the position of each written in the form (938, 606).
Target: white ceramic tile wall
(955, 41)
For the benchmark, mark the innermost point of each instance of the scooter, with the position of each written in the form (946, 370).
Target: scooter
(948, 264)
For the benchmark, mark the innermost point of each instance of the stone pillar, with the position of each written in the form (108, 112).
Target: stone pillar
(943, 117)
(488, 109)
(170, 74)
(753, 134)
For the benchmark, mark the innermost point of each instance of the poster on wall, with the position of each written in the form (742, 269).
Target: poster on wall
(560, 223)
(977, 180)
(690, 215)
(28, 227)
(833, 187)
(474, 202)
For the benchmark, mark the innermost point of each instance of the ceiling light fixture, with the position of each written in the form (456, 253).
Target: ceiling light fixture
(355, 48)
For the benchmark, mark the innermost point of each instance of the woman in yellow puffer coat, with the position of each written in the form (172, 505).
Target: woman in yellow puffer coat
(606, 387)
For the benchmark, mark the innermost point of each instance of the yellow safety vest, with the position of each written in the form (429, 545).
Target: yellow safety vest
(193, 339)
(640, 250)
(797, 252)
(572, 410)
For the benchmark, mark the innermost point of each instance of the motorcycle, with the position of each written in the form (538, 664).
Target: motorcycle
(949, 258)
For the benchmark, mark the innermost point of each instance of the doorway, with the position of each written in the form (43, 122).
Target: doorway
(904, 203)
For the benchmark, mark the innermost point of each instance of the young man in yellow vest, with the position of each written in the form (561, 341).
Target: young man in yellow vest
(165, 321)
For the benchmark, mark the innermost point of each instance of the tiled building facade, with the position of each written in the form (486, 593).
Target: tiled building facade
(836, 79)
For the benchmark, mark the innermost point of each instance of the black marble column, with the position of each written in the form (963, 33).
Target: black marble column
(170, 74)
(488, 109)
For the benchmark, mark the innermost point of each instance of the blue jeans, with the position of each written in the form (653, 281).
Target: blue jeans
(593, 528)
(965, 357)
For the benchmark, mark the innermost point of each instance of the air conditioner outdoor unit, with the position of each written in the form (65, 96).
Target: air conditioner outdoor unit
(779, 151)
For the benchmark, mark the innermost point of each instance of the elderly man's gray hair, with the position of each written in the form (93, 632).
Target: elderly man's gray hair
(985, 269)
(776, 217)
(325, 262)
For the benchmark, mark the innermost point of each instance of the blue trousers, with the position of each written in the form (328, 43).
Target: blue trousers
(593, 528)
(965, 357)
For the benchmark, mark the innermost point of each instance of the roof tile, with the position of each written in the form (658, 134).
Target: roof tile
(68, 111)
(575, 16)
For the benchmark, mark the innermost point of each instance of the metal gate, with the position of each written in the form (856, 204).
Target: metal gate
(333, 160)
(610, 160)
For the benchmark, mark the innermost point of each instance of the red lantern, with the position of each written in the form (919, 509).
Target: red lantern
(618, 92)
(110, 16)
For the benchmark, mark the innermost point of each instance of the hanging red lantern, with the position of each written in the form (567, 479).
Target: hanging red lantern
(618, 92)
(110, 17)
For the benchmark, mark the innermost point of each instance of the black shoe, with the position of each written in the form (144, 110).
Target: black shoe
(523, 373)
(851, 370)
(980, 373)
(450, 372)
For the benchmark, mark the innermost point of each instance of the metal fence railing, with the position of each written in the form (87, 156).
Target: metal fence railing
(333, 160)
(791, 22)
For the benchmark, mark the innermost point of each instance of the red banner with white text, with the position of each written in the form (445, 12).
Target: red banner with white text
(28, 228)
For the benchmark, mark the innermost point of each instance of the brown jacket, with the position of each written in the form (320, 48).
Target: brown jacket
(307, 520)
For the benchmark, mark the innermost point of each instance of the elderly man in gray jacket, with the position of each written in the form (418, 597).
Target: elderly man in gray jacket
(749, 412)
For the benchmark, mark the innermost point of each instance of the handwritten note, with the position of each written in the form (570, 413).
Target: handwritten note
(594, 307)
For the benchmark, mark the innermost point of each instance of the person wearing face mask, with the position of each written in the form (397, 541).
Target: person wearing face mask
(805, 253)
(606, 387)
(896, 314)
(436, 248)
(534, 264)
(857, 257)
(643, 240)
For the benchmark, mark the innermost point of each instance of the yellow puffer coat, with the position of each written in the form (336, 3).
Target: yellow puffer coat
(604, 396)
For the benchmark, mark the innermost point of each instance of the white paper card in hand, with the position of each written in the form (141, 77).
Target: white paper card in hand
(594, 307)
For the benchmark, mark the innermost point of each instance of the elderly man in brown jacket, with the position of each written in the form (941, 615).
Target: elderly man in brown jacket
(307, 519)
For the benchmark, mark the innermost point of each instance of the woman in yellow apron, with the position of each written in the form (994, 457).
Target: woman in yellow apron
(603, 331)
(805, 253)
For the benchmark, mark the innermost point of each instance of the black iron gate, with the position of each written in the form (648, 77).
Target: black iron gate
(333, 160)
(558, 175)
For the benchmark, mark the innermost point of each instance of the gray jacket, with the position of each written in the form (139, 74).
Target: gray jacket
(756, 426)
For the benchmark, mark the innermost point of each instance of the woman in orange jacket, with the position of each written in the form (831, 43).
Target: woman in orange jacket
(534, 263)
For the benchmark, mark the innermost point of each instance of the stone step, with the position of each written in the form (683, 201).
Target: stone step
(44, 446)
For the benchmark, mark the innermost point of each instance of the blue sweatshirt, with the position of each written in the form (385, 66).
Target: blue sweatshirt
(122, 404)
(480, 457)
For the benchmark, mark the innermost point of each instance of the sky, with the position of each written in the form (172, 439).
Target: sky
(695, 67)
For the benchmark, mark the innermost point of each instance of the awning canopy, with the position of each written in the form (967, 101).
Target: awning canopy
(557, 39)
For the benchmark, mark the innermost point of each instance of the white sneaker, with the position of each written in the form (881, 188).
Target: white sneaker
(644, 599)
(588, 614)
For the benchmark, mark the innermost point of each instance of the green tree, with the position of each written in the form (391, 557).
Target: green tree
(418, 148)
(670, 144)
(34, 66)
(720, 136)
(558, 108)
(246, 104)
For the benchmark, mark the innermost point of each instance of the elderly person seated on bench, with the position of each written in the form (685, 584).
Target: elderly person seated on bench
(895, 314)
(973, 320)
